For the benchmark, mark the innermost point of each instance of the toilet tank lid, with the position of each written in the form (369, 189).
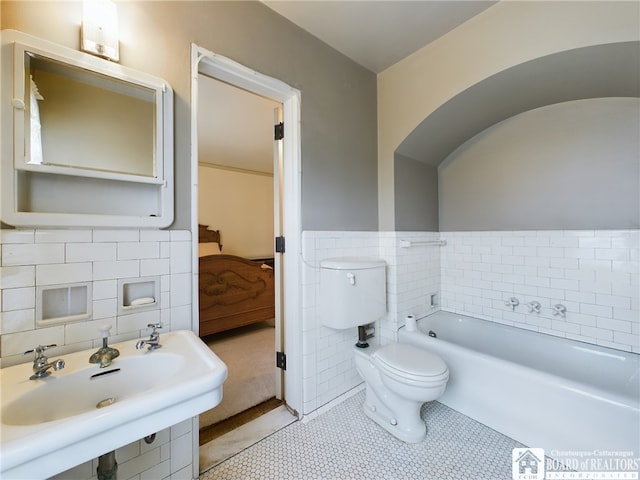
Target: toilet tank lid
(351, 263)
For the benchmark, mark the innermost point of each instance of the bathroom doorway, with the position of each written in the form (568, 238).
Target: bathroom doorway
(285, 213)
(238, 196)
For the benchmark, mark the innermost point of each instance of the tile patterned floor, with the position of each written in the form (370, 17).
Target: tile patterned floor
(344, 444)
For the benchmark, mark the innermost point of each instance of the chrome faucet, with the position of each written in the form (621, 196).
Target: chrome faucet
(513, 302)
(560, 310)
(105, 355)
(41, 364)
(534, 306)
(154, 339)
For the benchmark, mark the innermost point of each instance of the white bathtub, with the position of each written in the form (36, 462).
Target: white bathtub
(543, 391)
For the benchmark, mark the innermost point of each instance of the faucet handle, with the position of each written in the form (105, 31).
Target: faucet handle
(105, 330)
(513, 302)
(534, 306)
(154, 338)
(39, 350)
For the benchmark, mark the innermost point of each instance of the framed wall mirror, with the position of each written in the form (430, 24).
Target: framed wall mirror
(81, 119)
(91, 141)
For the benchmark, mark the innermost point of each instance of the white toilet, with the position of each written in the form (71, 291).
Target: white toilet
(399, 378)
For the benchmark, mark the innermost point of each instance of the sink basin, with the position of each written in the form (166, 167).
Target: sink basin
(83, 411)
(124, 379)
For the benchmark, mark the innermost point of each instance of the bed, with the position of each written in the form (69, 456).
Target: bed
(233, 291)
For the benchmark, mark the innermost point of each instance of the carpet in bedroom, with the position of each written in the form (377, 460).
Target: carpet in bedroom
(249, 353)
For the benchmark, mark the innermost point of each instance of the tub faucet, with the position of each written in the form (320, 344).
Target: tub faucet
(154, 339)
(534, 307)
(513, 302)
(559, 310)
(105, 355)
(41, 364)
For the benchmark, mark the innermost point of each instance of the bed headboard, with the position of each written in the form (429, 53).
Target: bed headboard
(205, 235)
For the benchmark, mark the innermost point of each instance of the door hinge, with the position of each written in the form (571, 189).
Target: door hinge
(279, 244)
(278, 131)
(281, 360)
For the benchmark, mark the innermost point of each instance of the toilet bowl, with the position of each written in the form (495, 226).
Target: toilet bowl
(399, 378)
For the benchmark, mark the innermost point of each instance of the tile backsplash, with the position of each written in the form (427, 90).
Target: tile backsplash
(593, 273)
(35, 259)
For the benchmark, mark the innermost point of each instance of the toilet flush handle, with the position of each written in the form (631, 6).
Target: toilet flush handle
(352, 278)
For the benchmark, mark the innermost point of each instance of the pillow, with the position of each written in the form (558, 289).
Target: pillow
(209, 248)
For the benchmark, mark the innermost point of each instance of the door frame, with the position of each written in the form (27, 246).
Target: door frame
(227, 70)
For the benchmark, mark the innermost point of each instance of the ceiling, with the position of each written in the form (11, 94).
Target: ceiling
(378, 34)
(235, 127)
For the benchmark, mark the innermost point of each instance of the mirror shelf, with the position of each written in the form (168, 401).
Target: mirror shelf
(75, 172)
(85, 142)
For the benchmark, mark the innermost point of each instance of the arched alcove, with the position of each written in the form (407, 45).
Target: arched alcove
(567, 166)
(599, 71)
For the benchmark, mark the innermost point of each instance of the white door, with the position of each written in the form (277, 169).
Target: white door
(278, 257)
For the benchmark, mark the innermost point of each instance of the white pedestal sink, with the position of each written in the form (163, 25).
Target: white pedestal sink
(82, 411)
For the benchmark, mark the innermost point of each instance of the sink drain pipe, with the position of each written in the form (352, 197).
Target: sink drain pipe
(107, 466)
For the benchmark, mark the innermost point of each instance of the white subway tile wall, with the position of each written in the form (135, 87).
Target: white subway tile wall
(328, 370)
(412, 276)
(34, 258)
(593, 273)
(168, 457)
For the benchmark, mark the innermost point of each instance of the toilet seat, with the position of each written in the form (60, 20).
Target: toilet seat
(410, 364)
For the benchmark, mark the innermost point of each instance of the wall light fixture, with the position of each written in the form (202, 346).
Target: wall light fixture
(99, 31)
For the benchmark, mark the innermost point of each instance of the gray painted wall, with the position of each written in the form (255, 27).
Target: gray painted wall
(416, 195)
(568, 166)
(339, 139)
(338, 108)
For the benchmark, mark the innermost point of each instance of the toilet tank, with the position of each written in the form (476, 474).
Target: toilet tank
(352, 291)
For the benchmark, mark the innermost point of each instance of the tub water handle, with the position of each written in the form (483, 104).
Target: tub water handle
(352, 278)
(560, 310)
(534, 307)
(513, 302)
